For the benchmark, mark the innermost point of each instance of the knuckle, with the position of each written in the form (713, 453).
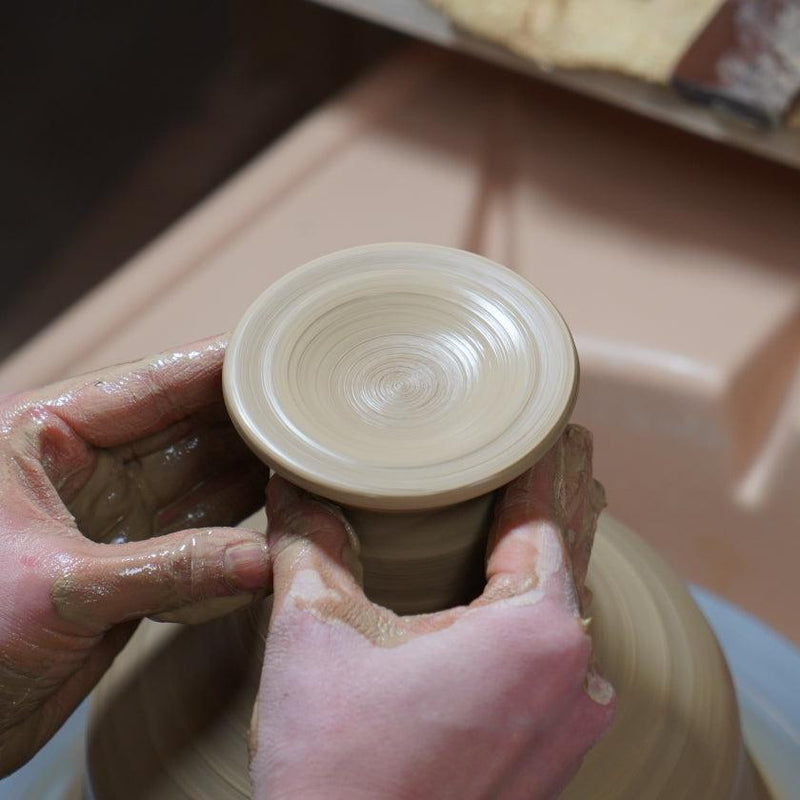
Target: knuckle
(28, 417)
(187, 565)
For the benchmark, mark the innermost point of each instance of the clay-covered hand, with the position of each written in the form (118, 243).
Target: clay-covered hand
(498, 699)
(90, 469)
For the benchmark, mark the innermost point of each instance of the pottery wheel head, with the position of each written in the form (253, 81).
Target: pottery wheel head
(400, 376)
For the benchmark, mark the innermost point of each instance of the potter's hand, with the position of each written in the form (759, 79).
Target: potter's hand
(135, 451)
(494, 700)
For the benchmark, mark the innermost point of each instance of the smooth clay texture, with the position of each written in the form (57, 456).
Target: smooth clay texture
(424, 561)
(401, 377)
(171, 719)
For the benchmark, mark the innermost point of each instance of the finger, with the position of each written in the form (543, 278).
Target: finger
(115, 406)
(317, 571)
(545, 523)
(195, 574)
(578, 498)
(163, 466)
(526, 548)
(171, 472)
(309, 539)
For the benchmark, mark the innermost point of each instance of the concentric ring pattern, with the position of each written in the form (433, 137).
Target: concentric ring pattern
(400, 376)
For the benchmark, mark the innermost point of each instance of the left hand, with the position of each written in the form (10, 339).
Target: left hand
(90, 469)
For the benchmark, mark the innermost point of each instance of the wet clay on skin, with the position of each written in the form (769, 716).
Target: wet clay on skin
(162, 483)
(407, 383)
(158, 714)
(136, 451)
(393, 551)
(179, 478)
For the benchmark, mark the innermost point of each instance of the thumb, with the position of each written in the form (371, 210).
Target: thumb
(311, 543)
(315, 564)
(188, 576)
(526, 545)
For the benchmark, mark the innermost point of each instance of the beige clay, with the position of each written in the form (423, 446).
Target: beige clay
(407, 382)
(401, 377)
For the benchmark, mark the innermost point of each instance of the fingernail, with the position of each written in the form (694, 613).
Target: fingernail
(247, 565)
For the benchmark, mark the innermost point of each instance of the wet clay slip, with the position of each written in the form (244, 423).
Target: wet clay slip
(406, 382)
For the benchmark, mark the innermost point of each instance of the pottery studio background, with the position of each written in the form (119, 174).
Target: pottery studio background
(156, 154)
(118, 120)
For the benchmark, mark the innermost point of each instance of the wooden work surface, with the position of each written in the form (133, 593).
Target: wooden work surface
(675, 262)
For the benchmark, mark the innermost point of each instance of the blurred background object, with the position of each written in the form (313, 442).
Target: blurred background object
(614, 62)
(119, 118)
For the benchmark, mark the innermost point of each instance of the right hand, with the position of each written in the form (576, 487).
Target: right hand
(497, 699)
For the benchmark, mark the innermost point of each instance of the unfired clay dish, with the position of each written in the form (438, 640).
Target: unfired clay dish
(401, 376)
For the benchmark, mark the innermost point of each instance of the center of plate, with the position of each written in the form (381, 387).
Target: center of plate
(394, 378)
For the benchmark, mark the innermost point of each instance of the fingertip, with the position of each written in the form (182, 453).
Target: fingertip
(516, 549)
(526, 547)
(526, 496)
(247, 563)
(294, 513)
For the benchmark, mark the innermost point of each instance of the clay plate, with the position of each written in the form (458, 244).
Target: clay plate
(401, 376)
